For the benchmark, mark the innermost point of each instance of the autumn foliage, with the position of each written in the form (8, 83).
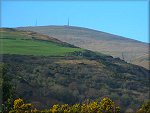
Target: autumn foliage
(106, 105)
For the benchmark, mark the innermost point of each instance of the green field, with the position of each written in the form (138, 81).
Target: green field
(22, 44)
(35, 47)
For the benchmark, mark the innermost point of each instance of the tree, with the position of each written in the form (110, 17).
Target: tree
(7, 90)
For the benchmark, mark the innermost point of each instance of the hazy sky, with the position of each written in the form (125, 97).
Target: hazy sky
(124, 18)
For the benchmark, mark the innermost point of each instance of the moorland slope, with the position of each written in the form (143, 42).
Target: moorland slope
(117, 46)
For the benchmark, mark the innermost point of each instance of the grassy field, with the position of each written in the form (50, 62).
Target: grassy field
(14, 43)
(29, 47)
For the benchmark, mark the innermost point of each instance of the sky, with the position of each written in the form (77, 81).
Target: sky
(128, 18)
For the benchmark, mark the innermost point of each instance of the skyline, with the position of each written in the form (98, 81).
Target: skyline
(124, 18)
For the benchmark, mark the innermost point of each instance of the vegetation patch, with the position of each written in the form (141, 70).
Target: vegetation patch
(45, 81)
(34, 47)
(28, 43)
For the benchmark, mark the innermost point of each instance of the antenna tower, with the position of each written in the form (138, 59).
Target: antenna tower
(68, 21)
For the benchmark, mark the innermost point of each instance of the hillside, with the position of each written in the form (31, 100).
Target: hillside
(31, 43)
(142, 60)
(45, 71)
(116, 46)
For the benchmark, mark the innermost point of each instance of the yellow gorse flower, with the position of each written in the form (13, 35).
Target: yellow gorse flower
(106, 105)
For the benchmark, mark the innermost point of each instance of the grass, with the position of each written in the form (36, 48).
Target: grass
(14, 35)
(15, 43)
(34, 47)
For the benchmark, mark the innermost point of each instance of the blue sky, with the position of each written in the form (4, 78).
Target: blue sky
(124, 18)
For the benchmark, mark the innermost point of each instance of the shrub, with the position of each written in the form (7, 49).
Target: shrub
(104, 106)
(20, 107)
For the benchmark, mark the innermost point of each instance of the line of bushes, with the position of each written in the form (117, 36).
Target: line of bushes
(106, 105)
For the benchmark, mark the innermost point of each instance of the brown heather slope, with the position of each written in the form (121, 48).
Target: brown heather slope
(142, 61)
(127, 49)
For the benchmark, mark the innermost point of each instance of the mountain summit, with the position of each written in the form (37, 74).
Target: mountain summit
(130, 50)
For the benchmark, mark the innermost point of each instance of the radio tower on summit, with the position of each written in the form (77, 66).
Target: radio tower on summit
(68, 22)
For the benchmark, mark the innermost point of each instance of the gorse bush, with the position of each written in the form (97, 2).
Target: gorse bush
(20, 107)
(106, 105)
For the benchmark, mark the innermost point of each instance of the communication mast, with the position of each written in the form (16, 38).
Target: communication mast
(68, 22)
